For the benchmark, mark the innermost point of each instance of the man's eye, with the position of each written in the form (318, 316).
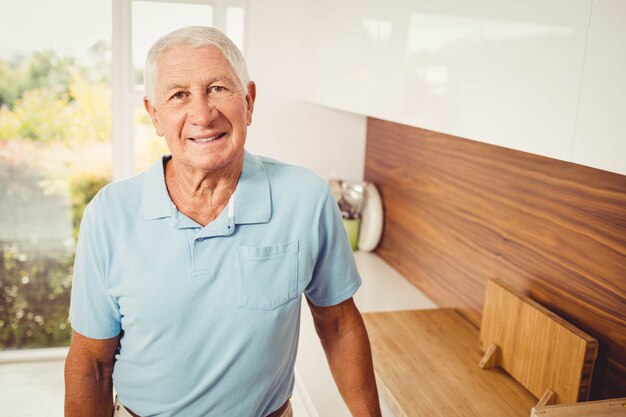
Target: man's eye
(178, 95)
(217, 90)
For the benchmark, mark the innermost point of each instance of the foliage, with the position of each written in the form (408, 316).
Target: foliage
(10, 84)
(91, 108)
(34, 280)
(35, 294)
(42, 115)
(82, 112)
(83, 189)
(55, 121)
(42, 69)
(44, 97)
(9, 124)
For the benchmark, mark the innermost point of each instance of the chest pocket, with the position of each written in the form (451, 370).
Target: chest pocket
(266, 277)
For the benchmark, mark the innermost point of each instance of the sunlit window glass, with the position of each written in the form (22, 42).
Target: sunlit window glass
(55, 154)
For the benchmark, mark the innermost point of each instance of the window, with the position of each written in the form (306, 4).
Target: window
(71, 120)
(55, 141)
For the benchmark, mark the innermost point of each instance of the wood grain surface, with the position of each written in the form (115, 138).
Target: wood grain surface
(605, 408)
(458, 212)
(426, 364)
(536, 347)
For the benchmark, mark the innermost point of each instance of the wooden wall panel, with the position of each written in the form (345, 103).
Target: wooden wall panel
(458, 212)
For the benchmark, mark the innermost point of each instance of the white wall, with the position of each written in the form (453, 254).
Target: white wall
(285, 127)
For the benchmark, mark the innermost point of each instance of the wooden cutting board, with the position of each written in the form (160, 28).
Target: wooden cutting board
(536, 347)
(605, 408)
(426, 364)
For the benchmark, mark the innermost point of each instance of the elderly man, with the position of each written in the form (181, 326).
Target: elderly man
(189, 276)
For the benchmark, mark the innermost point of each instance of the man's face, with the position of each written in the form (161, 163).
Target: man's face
(200, 107)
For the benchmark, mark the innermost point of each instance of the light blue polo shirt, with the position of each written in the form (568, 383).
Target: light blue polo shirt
(210, 314)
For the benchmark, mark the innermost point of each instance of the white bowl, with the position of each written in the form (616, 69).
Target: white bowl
(371, 219)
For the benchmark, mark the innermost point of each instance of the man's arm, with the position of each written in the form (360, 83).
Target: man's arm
(344, 339)
(88, 376)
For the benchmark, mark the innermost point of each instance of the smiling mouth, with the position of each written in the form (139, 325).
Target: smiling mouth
(208, 139)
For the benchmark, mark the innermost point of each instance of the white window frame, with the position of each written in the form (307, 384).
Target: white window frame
(125, 94)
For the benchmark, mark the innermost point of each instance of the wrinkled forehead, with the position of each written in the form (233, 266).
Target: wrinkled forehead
(192, 62)
(188, 54)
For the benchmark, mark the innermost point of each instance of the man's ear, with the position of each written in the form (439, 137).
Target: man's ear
(152, 112)
(250, 101)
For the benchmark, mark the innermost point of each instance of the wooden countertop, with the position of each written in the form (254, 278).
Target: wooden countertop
(426, 364)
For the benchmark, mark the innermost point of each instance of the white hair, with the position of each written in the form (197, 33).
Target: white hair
(195, 37)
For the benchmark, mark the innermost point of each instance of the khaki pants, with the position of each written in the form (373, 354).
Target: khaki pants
(120, 411)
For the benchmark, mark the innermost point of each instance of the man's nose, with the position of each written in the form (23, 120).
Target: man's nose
(202, 111)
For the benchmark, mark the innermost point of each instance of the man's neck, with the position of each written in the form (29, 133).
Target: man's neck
(201, 195)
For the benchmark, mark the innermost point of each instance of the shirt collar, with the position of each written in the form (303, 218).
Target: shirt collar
(253, 202)
(156, 202)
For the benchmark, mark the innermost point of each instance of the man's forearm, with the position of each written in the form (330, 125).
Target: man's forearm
(350, 359)
(88, 389)
(344, 338)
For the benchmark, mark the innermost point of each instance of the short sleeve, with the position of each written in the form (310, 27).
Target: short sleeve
(335, 276)
(93, 311)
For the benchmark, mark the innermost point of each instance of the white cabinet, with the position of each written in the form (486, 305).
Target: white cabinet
(506, 72)
(600, 139)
